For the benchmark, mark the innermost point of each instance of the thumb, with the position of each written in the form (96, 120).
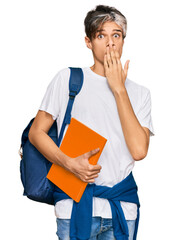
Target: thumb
(126, 67)
(92, 152)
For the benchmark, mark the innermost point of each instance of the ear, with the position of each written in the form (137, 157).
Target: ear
(88, 42)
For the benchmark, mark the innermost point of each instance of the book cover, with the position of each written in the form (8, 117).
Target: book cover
(77, 140)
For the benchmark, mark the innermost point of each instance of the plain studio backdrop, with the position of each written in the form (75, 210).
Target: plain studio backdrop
(39, 38)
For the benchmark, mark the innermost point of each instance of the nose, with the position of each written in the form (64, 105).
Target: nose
(110, 46)
(110, 43)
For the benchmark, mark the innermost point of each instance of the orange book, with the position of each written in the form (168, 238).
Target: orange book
(77, 140)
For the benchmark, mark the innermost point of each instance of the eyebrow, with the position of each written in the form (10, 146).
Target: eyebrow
(102, 30)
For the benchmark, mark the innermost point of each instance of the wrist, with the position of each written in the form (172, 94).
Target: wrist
(119, 91)
(63, 160)
(68, 164)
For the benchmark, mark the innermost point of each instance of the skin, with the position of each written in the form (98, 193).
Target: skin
(107, 49)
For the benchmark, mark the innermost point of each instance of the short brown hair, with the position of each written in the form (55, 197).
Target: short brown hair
(101, 14)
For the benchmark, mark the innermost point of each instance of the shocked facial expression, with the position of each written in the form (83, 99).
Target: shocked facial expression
(110, 34)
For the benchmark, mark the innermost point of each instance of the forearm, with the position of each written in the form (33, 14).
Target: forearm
(46, 146)
(135, 136)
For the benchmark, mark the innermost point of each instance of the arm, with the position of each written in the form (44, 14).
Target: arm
(80, 166)
(136, 137)
(38, 136)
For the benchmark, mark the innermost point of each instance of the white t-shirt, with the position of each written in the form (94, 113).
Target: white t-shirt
(95, 106)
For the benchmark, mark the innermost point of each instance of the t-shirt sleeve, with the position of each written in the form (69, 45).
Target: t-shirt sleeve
(51, 100)
(144, 113)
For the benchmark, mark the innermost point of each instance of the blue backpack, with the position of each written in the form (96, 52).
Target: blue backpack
(34, 166)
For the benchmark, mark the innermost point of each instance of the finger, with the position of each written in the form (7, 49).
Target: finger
(112, 56)
(105, 62)
(117, 56)
(108, 56)
(114, 48)
(115, 52)
(94, 175)
(95, 168)
(91, 181)
(112, 53)
(126, 67)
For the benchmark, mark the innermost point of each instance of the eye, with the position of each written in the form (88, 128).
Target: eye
(116, 35)
(100, 35)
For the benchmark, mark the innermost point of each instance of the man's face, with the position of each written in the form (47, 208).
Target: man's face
(110, 34)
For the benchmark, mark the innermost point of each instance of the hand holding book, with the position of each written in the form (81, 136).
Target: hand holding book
(82, 169)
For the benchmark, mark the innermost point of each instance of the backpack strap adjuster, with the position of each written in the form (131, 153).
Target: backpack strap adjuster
(72, 94)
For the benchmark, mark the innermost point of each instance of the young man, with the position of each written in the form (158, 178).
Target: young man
(113, 106)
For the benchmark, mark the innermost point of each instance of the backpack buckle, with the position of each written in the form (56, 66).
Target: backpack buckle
(72, 94)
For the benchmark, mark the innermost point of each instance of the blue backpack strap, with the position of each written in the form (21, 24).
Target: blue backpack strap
(75, 85)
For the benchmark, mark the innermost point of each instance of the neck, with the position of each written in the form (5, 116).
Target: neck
(98, 69)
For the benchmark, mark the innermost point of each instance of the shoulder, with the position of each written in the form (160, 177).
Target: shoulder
(60, 77)
(62, 73)
(137, 89)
